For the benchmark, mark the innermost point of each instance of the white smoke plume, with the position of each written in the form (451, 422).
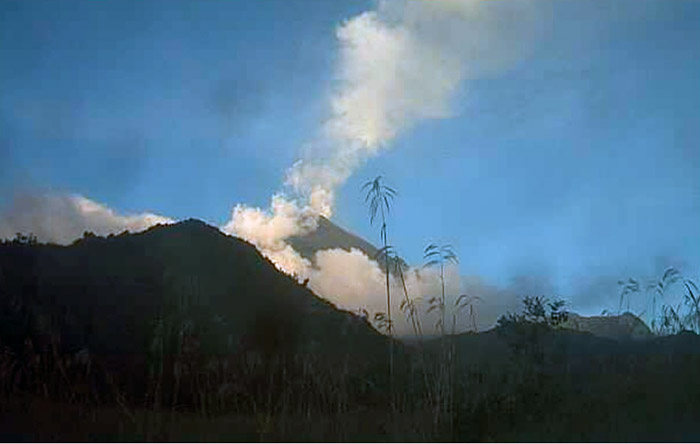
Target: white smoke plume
(60, 218)
(404, 62)
(353, 281)
(399, 64)
(267, 230)
(354, 287)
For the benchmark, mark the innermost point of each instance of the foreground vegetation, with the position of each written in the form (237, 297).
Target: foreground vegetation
(525, 380)
(182, 333)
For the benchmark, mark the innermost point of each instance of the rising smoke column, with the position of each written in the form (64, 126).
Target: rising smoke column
(404, 62)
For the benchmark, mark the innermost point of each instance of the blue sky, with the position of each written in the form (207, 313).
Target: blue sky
(579, 164)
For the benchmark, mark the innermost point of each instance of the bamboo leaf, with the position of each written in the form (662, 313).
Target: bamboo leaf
(431, 263)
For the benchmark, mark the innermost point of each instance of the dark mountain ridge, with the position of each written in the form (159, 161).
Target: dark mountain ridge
(124, 295)
(184, 266)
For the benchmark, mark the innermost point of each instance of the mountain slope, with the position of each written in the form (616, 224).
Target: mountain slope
(111, 294)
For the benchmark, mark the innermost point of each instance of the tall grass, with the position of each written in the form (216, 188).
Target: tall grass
(435, 365)
(270, 387)
(686, 314)
(672, 319)
(267, 394)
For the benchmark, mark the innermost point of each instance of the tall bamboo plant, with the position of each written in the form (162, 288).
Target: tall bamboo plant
(379, 197)
(439, 256)
(399, 268)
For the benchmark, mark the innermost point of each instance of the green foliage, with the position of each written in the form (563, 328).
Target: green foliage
(537, 310)
(24, 239)
(526, 332)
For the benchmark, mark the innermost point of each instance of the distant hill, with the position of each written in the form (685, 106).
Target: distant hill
(581, 351)
(624, 326)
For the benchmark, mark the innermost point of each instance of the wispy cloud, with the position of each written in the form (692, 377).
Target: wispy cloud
(61, 218)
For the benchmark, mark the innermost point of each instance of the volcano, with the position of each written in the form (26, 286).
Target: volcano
(328, 236)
